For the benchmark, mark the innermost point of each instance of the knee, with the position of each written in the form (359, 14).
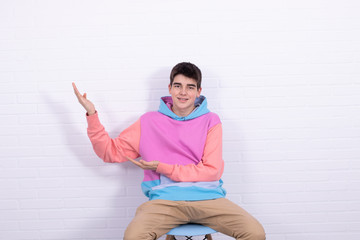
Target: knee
(259, 235)
(257, 232)
(252, 232)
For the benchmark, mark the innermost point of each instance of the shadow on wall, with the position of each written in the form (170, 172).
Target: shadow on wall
(83, 148)
(157, 84)
(117, 204)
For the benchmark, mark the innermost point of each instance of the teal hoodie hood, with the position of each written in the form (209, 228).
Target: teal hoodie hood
(166, 104)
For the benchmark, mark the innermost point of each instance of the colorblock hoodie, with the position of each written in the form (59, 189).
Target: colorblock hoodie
(189, 151)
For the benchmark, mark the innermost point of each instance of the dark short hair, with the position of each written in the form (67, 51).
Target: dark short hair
(188, 70)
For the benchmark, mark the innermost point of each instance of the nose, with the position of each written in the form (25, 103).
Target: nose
(182, 91)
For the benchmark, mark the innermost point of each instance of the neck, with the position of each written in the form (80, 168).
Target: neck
(182, 112)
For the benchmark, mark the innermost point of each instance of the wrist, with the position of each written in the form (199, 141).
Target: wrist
(89, 113)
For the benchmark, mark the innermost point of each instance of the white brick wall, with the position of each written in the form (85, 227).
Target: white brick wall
(283, 75)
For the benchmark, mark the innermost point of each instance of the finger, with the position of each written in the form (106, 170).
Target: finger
(76, 90)
(133, 161)
(148, 165)
(74, 87)
(130, 159)
(145, 163)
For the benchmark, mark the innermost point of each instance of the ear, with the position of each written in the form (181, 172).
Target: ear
(169, 88)
(198, 92)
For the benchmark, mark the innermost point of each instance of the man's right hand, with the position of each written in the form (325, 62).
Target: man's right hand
(89, 106)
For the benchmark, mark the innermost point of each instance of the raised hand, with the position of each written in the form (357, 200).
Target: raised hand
(89, 106)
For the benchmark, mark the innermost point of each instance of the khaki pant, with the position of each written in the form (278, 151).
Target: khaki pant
(156, 217)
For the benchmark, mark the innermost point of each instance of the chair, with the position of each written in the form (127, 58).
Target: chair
(189, 230)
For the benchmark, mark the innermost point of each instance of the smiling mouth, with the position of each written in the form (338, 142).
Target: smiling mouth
(182, 99)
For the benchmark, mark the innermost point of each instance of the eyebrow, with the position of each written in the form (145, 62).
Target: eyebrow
(189, 85)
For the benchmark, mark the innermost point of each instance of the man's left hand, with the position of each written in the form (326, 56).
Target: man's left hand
(144, 164)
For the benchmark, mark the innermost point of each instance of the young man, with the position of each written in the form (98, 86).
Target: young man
(180, 146)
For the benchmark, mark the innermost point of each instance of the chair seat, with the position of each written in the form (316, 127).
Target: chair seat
(191, 229)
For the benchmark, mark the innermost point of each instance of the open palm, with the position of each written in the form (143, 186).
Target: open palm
(87, 104)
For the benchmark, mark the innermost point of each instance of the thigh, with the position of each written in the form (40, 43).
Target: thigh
(229, 218)
(154, 219)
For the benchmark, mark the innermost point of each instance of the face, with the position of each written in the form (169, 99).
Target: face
(183, 93)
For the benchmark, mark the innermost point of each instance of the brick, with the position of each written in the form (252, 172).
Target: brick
(63, 214)
(9, 141)
(26, 235)
(19, 194)
(82, 193)
(41, 204)
(7, 99)
(41, 224)
(86, 224)
(8, 204)
(18, 109)
(14, 129)
(9, 226)
(16, 215)
(14, 173)
(118, 223)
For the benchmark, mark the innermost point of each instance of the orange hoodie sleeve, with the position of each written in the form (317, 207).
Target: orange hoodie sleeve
(210, 168)
(113, 150)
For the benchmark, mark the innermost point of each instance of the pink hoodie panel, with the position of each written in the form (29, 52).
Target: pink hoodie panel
(210, 168)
